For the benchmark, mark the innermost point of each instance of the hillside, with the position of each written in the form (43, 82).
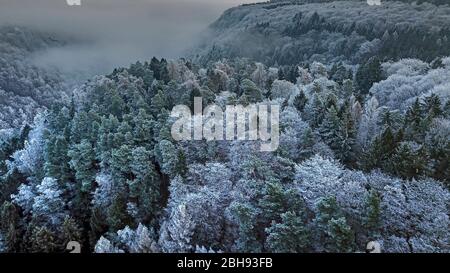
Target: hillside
(25, 89)
(362, 154)
(351, 31)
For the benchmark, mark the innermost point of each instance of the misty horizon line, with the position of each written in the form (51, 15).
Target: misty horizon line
(103, 34)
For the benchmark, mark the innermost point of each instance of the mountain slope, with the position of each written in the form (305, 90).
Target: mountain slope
(352, 31)
(24, 87)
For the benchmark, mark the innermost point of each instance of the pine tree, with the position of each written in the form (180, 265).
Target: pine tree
(42, 240)
(117, 214)
(169, 157)
(98, 225)
(336, 234)
(447, 109)
(414, 122)
(245, 215)
(373, 212)
(331, 131)
(347, 133)
(145, 188)
(104, 245)
(307, 144)
(70, 231)
(342, 238)
(164, 71)
(408, 161)
(275, 201)
(48, 205)
(251, 91)
(316, 112)
(121, 163)
(9, 227)
(327, 209)
(368, 74)
(339, 73)
(289, 236)
(432, 106)
(83, 163)
(57, 160)
(381, 150)
(300, 101)
(155, 66)
(347, 88)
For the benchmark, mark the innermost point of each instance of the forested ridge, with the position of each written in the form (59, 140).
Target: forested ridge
(291, 32)
(363, 156)
(25, 89)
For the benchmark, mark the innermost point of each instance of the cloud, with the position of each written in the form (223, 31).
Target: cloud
(110, 33)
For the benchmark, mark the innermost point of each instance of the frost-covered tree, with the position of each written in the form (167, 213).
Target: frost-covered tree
(48, 205)
(140, 240)
(103, 245)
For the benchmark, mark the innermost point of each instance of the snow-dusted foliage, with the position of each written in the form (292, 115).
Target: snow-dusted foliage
(26, 89)
(363, 153)
(24, 198)
(328, 31)
(408, 80)
(103, 245)
(48, 203)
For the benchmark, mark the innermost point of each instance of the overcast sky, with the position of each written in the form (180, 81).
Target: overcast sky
(116, 32)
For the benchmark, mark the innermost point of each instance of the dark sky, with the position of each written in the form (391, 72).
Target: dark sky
(115, 32)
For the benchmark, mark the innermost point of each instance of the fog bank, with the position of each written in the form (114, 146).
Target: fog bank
(110, 33)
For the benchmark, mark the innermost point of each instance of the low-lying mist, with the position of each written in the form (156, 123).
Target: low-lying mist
(104, 34)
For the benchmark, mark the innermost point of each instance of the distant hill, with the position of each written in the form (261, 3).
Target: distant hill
(25, 88)
(289, 32)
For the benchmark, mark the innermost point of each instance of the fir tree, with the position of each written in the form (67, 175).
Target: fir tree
(9, 226)
(342, 238)
(300, 101)
(118, 216)
(83, 163)
(43, 240)
(368, 74)
(373, 212)
(289, 236)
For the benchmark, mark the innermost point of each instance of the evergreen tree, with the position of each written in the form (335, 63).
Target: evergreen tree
(251, 91)
(316, 111)
(327, 209)
(70, 231)
(347, 132)
(83, 163)
(118, 217)
(433, 106)
(307, 144)
(368, 74)
(57, 160)
(155, 66)
(341, 236)
(48, 205)
(373, 212)
(381, 150)
(331, 130)
(145, 188)
(42, 240)
(408, 161)
(9, 227)
(289, 236)
(248, 238)
(414, 122)
(276, 201)
(333, 229)
(300, 101)
(169, 157)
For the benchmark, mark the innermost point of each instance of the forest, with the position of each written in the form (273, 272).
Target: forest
(364, 139)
